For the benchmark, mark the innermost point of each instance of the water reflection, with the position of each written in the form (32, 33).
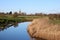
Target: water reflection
(5, 26)
(37, 38)
(16, 31)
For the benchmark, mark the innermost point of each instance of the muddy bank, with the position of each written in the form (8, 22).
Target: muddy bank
(41, 28)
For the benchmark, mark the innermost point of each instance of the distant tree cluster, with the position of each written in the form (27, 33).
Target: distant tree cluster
(54, 16)
(16, 14)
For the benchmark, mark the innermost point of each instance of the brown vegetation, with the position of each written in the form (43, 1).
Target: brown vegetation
(41, 28)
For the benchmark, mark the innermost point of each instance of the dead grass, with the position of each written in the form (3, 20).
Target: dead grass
(41, 28)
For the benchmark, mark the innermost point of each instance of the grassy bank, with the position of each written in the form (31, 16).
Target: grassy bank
(9, 20)
(17, 19)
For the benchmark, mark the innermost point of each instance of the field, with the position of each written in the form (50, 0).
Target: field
(13, 20)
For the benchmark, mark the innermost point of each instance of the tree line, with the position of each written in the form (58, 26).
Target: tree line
(15, 14)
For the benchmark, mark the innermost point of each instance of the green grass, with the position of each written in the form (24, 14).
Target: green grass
(57, 21)
(10, 18)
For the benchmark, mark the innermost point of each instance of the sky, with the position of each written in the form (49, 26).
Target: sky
(30, 6)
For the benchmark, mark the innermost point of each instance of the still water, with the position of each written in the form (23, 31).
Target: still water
(18, 32)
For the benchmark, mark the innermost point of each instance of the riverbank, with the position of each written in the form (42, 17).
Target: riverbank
(8, 20)
(45, 29)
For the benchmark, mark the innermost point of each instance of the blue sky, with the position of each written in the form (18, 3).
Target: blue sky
(30, 6)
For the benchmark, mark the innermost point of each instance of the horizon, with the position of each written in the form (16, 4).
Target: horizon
(30, 6)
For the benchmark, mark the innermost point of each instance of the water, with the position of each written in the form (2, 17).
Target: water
(17, 32)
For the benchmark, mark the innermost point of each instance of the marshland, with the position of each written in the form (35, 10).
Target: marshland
(9, 21)
(29, 19)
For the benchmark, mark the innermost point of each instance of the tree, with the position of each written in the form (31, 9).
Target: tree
(10, 12)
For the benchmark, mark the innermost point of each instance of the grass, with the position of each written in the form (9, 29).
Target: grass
(56, 21)
(44, 30)
(9, 19)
